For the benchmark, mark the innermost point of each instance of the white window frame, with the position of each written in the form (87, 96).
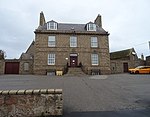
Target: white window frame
(51, 26)
(73, 41)
(51, 41)
(94, 59)
(94, 42)
(91, 27)
(51, 59)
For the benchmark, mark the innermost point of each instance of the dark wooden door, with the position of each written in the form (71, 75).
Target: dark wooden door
(11, 67)
(73, 61)
(125, 67)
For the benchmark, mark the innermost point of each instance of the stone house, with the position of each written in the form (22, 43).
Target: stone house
(122, 60)
(26, 60)
(58, 46)
(23, 65)
(148, 60)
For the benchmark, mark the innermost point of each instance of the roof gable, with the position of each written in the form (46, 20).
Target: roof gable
(52, 21)
(121, 54)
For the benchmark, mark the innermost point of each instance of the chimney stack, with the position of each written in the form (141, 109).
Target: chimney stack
(142, 56)
(42, 19)
(98, 21)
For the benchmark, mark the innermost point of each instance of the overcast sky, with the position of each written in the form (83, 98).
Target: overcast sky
(127, 21)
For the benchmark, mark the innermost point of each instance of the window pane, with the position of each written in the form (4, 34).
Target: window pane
(51, 41)
(91, 27)
(94, 59)
(73, 41)
(51, 59)
(94, 42)
(51, 26)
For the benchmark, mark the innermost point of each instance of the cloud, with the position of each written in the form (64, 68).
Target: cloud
(16, 30)
(126, 21)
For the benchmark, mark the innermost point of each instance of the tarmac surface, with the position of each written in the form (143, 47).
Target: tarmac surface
(121, 95)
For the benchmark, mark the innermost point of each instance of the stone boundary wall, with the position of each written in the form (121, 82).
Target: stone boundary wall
(2, 65)
(31, 103)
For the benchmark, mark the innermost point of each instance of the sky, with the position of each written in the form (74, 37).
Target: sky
(127, 21)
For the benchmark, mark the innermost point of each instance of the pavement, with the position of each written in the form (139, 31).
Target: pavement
(118, 95)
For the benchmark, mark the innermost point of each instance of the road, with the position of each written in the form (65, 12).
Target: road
(96, 96)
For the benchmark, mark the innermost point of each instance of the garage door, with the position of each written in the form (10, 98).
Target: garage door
(11, 67)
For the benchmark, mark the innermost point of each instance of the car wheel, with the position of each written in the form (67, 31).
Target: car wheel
(131, 72)
(137, 72)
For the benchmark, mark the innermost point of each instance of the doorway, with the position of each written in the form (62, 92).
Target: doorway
(125, 67)
(73, 60)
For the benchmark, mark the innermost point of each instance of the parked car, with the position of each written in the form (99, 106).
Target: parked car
(140, 70)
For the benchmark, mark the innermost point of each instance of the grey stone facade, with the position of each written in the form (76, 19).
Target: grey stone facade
(63, 51)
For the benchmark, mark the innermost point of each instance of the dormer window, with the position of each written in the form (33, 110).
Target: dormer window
(91, 27)
(52, 25)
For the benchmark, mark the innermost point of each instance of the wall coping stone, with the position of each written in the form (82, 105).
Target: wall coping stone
(5, 92)
(1, 92)
(31, 103)
(20, 92)
(58, 90)
(43, 91)
(30, 91)
(13, 92)
(52, 91)
(37, 91)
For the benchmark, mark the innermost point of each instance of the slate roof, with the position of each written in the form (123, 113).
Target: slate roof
(121, 54)
(75, 27)
(32, 44)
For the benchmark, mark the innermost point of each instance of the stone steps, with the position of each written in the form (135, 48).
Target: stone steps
(73, 71)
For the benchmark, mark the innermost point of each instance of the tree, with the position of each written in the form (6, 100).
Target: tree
(2, 54)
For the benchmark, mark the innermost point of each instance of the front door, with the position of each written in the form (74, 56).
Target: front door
(125, 67)
(73, 60)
